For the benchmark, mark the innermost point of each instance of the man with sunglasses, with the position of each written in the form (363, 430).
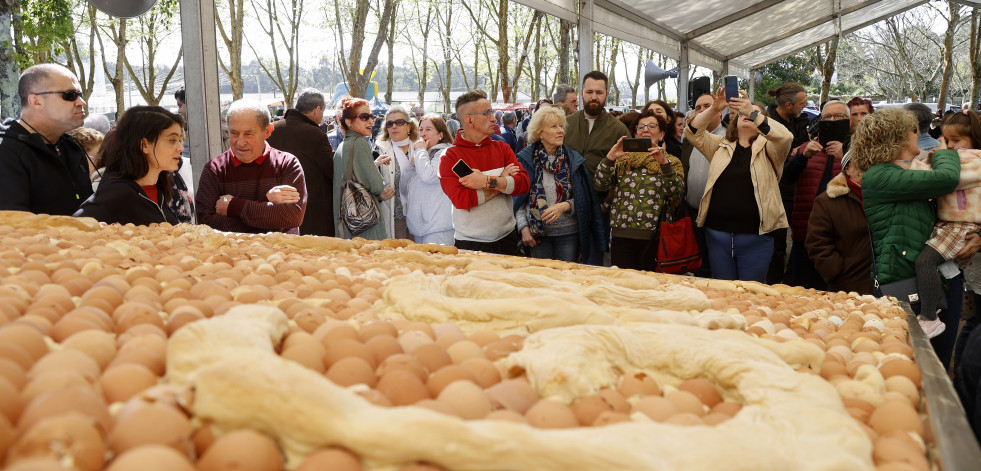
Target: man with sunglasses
(480, 176)
(42, 169)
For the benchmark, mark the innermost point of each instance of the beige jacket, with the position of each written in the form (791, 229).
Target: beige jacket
(769, 154)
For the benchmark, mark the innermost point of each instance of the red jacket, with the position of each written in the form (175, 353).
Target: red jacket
(808, 184)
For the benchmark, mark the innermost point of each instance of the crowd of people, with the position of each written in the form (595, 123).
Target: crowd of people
(855, 200)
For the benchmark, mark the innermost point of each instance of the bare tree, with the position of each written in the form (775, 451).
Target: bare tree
(358, 76)
(424, 21)
(975, 56)
(390, 41)
(444, 17)
(230, 29)
(152, 29)
(500, 38)
(953, 23)
(115, 30)
(280, 20)
(824, 57)
(81, 61)
(635, 84)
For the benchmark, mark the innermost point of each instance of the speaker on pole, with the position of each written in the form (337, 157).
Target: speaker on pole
(654, 74)
(123, 8)
(697, 88)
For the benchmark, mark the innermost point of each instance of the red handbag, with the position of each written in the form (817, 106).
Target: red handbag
(677, 251)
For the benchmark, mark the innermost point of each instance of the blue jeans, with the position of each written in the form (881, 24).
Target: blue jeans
(564, 248)
(739, 256)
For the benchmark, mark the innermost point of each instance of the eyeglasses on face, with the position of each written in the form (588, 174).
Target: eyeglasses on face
(835, 116)
(489, 112)
(641, 127)
(397, 122)
(67, 95)
(365, 117)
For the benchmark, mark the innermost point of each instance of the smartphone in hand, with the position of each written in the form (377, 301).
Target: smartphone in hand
(732, 86)
(461, 169)
(640, 144)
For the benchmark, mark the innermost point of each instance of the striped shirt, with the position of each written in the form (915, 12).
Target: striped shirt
(247, 183)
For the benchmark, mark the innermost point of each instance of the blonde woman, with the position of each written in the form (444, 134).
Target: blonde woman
(560, 216)
(398, 146)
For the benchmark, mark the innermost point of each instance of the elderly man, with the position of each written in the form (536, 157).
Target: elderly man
(43, 170)
(509, 120)
(810, 169)
(565, 96)
(593, 131)
(483, 209)
(252, 187)
(299, 134)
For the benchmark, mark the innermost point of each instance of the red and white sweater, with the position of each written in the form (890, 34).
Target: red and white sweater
(473, 218)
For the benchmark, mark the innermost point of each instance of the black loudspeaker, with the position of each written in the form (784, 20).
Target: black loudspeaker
(697, 88)
(124, 8)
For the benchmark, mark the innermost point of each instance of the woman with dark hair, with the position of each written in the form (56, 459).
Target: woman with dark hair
(664, 110)
(741, 203)
(646, 186)
(430, 217)
(355, 118)
(139, 160)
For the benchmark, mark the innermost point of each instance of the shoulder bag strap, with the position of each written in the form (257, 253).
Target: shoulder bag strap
(875, 269)
(350, 161)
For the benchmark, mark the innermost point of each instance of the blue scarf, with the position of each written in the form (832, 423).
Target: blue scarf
(559, 168)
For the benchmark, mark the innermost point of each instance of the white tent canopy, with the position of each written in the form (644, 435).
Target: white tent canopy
(734, 37)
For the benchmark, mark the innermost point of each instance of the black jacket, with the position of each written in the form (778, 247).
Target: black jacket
(35, 178)
(121, 200)
(788, 182)
(301, 137)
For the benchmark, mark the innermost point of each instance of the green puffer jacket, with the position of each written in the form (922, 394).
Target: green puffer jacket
(901, 212)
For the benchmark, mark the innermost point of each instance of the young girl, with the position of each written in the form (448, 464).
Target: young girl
(959, 214)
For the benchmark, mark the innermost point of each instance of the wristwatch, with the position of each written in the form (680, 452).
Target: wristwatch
(755, 114)
(492, 183)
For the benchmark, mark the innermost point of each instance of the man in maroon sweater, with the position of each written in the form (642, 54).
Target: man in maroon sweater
(252, 187)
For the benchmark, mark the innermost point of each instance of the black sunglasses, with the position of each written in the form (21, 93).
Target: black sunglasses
(397, 122)
(67, 95)
(365, 117)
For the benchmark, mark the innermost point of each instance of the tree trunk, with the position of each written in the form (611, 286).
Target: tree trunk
(448, 60)
(828, 67)
(948, 52)
(536, 65)
(231, 35)
(357, 81)
(564, 46)
(975, 56)
(9, 75)
(283, 30)
(390, 41)
(76, 63)
(427, 27)
(117, 34)
(613, 72)
(510, 90)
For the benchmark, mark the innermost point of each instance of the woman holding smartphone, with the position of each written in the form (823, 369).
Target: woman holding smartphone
(356, 120)
(646, 186)
(745, 167)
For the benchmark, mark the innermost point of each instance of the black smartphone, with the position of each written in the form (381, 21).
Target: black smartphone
(461, 169)
(732, 86)
(829, 131)
(640, 144)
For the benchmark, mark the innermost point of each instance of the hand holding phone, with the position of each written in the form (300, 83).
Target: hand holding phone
(732, 86)
(640, 144)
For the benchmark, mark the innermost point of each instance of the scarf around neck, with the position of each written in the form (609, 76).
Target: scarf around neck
(537, 202)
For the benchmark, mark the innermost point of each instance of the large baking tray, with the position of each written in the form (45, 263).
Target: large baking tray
(952, 442)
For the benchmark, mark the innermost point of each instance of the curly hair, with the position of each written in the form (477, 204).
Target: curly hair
(881, 137)
(544, 118)
(662, 124)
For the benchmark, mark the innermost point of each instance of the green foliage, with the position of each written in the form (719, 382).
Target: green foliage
(43, 27)
(795, 68)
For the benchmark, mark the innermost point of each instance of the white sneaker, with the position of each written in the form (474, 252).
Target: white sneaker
(931, 328)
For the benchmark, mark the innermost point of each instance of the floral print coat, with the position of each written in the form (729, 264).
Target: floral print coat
(639, 196)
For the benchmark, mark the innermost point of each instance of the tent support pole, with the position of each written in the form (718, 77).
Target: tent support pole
(201, 82)
(585, 56)
(752, 84)
(683, 78)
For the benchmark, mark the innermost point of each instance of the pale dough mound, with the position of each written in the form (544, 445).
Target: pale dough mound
(791, 421)
(523, 302)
